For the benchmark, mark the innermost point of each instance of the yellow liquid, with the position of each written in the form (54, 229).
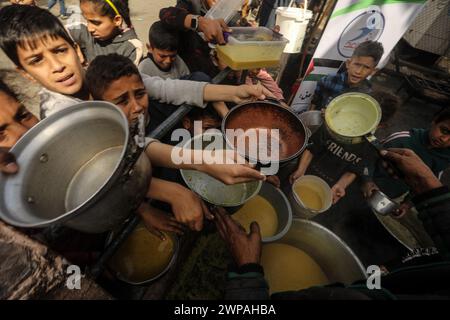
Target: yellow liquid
(260, 210)
(142, 256)
(350, 123)
(240, 57)
(309, 197)
(288, 268)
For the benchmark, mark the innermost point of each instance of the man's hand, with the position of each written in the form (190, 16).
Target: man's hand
(338, 192)
(189, 209)
(417, 174)
(213, 29)
(157, 221)
(368, 188)
(7, 162)
(245, 248)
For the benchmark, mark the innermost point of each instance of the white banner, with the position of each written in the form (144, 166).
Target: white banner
(352, 23)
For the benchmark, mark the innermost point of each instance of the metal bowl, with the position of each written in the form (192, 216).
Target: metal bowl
(266, 115)
(282, 207)
(381, 203)
(312, 120)
(172, 261)
(212, 190)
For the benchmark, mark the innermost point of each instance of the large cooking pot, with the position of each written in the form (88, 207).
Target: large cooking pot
(254, 116)
(80, 167)
(335, 258)
(353, 117)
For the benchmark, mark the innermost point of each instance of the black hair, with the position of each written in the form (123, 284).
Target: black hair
(162, 38)
(389, 103)
(7, 90)
(22, 26)
(105, 69)
(442, 115)
(373, 49)
(197, 114)
(105, 9)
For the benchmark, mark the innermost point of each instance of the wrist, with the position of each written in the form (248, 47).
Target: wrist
(424, 184)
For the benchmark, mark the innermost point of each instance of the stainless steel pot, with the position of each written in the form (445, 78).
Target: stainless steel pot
(381, 203)
(79, 167)
(353, 110)
(336, 259)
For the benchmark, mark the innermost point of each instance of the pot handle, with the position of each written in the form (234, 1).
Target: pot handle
(376, 144)
(135, 147)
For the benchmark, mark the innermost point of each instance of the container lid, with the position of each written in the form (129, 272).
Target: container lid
(256, 36)
(294, 13)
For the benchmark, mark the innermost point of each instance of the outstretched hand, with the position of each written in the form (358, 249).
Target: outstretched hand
(245, 248)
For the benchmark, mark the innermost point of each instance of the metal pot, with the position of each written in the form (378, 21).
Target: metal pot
(336, 259)
(312, 120)
(293, 136)
(352, 118)
(213, 191)
(79, 167)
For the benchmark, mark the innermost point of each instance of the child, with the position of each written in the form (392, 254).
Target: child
(163, 61)
(360, 66)
(432, 146)
(41, 48)
(104, 32)
(15, 119)
(340, 164)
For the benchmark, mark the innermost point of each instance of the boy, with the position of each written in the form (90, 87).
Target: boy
(41, 48)
(340, 164)
(163, 59)
(360, 66)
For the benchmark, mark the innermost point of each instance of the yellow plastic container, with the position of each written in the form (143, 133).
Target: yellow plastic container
(250, 48)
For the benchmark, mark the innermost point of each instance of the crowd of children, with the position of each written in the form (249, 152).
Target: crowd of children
(103, 59)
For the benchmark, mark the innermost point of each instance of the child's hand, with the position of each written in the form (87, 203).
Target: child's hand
(157, 221)
(189, 209)
(296, 174)
(338, 193)
(368, 188)
(274, 180)
(247, 92)
(405, 207)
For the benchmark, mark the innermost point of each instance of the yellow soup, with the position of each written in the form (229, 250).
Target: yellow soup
(287, 268)
(309, 197)
(143, 256)
(260, 210)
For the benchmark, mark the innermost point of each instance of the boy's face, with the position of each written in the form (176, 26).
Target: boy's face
(101, 27)
(163, 58)
(15, 120)
(53, 63)
(440, 134)
(207, 122)
(130, 95)
(26, 2)
(359, 68)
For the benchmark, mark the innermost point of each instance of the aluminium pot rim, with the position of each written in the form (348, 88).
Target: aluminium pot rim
(266, 102)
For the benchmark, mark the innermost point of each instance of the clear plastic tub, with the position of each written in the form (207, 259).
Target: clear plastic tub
(250, 48)
(225, 9)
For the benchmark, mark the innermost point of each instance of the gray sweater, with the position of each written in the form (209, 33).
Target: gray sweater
(126, 44)
(179, 69)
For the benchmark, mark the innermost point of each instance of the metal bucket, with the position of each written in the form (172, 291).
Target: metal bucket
(335, 258)
(320, 187)
(78, 168)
